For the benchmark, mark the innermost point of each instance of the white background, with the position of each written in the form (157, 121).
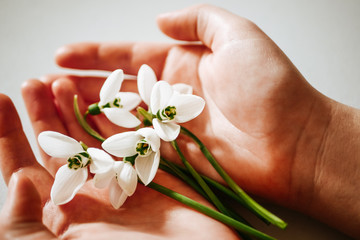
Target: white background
(320, 37)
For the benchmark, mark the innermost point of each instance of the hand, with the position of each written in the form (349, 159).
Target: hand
(270, 130)
(28, 213)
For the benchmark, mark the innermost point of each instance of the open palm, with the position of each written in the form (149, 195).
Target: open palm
(262, 121)
(248, 100)
(28, 212)
(258, 104)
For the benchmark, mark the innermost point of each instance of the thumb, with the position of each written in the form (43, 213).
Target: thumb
(211, 25)
(21, 216)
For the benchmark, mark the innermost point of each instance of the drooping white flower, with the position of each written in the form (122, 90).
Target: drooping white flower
(144, 144)
(117, 105)
(120, 176)
(146, 80)
(71, 176)
(171, 104)
(171, 107)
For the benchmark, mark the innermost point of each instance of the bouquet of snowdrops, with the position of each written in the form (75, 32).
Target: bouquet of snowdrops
(168, 106)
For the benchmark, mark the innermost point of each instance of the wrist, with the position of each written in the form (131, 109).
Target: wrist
(329, 148)
(336, 198)
(309, 146)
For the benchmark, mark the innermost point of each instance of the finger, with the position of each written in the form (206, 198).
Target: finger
(22, 212)
(88, 86)
(211, 25)
(111, 56)
(41, 108)
(64, 91)
(43, 115)
(23, 202)
(15, 152)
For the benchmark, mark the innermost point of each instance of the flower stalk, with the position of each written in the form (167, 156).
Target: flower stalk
(214, 199)
(210, 212)
(83, 123)
(148, 116)
(176, 170)
(225, 190)
(251, 203)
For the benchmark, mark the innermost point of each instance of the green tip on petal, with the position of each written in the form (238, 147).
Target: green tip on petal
(130, 159)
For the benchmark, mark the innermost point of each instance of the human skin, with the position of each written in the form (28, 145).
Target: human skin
(28, 212)
(271, 131)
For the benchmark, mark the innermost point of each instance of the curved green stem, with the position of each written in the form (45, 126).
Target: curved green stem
(200, 181)
(225, 190)
(210, 212)
(173, 169)
(183, 176)
(241, 193)
(83, 122)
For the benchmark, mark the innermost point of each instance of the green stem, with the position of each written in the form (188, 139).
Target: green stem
(210, 212)
(83, 122)
(200, 181)
(177, 171)
(232, 195)
(241, 193)
(184, 177)
(224, 190)
(148, 116)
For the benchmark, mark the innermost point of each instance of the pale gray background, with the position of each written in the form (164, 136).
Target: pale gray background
(321, 38)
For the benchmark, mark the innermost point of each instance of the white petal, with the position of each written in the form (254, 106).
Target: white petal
(122, 144)
(127, 179)
(160, 96)
(166, 131)
(145, 80)
(146, 167)
(116, 195)
(118, 165)
(59, 145)
(111, 87)
(187, 106)
(100, 160)
(121, 117)
(129, 100)
(102, 180)
(182, 88)
(67, 183)
(150, 135)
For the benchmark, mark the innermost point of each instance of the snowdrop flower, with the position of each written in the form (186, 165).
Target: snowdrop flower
(117, 105)
(72, 176)
(170, 104)
(146, 80)
(143, 145)
(170, 108)
(120, 176)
